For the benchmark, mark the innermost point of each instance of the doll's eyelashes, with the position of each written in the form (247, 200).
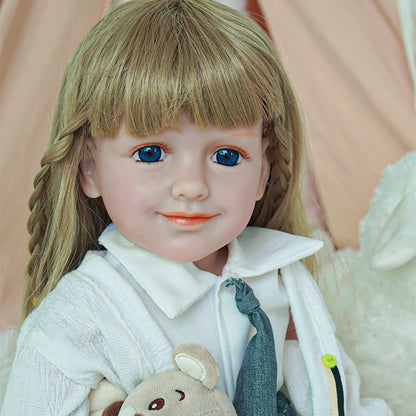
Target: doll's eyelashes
(229, 156)
(149, 154)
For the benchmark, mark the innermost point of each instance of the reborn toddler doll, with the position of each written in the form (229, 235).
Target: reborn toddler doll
(174, 166)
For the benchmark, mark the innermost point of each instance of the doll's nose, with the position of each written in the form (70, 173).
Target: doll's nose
(190, 183)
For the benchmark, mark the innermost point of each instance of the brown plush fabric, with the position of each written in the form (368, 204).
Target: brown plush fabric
(113, 409)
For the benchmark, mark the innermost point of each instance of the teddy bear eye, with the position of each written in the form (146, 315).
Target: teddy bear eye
(181, 393)
(156, 404)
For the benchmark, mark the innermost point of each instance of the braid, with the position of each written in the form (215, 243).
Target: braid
(270, 212)
(36, 226)
(280, 179)
(63, 223)
(282, 206)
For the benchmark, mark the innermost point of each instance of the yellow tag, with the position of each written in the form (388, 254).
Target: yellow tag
(329, 361)
(35, 301)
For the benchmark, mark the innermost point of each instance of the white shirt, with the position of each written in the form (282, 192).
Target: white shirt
(191, 305)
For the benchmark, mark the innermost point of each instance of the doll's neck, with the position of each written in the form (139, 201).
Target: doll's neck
(214, 262)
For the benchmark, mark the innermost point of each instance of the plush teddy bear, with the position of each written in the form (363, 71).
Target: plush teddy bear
(371, 292)
(188, 389)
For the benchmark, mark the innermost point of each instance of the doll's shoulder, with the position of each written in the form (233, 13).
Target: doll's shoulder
(80, 287)
(89, 305)
(94, 315)
(95, 279)
(79, 299)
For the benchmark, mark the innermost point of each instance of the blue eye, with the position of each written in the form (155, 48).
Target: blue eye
(227, 157)
(149, 154)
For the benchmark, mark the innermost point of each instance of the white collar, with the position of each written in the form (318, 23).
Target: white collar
(175, 286)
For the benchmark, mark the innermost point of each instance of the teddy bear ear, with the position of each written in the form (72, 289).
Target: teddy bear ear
(113, 409)
(197, 362)
(104, 396)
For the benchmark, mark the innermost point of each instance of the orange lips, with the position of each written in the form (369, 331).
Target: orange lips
(187, 219)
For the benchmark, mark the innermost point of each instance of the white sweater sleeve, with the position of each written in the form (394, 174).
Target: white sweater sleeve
(36, 387)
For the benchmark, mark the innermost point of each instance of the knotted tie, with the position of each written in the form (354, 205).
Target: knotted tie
(257, 380)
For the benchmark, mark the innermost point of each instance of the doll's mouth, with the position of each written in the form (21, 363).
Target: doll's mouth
(187, 218)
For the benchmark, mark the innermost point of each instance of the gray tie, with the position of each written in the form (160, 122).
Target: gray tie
(257, 380)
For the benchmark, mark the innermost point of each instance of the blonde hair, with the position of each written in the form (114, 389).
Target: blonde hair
(150, 61)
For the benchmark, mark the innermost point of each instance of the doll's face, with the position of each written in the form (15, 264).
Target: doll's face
(183, 193)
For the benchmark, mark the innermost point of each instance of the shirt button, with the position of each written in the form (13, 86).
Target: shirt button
(329, 361)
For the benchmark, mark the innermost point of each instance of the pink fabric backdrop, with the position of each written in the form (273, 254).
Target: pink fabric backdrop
(347, 62)
(36, 40)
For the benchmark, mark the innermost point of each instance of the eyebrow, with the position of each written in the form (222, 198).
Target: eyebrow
(238, 133)
(243, 133)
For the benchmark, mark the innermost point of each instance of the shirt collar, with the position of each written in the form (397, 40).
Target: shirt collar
(175, 286)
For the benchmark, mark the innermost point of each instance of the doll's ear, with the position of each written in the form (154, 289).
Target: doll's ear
(197, 362)
(88, 172)
(265, 169)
